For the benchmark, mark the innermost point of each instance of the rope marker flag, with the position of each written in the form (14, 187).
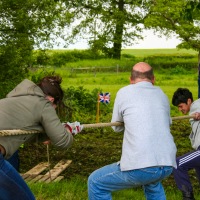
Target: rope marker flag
(103, 98)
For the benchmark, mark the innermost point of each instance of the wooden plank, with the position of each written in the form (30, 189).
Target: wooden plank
(30, 177)
(38, 177)
(59, 167)
(59, 178)
(56, 171)
(34, 174)
(24, 176)
(37, 169)
(43, 178)
(47, 179)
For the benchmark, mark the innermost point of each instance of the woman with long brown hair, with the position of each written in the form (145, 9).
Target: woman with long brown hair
(29, 106)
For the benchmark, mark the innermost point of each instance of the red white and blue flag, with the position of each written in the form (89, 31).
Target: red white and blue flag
(104, 97)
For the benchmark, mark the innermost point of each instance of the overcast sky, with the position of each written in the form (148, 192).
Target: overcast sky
(151, 41)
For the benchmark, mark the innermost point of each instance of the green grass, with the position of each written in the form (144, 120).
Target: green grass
(76, 189)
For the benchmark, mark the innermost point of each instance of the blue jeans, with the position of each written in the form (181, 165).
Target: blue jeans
(102, 182)
(14, 160)
(12, 185)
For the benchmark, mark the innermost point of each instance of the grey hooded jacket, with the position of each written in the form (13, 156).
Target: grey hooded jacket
(25, 107)
(195, 124)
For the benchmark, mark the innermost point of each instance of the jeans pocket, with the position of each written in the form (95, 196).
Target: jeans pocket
(148, 175)
(150, 170)
(167, 171)
(143, 176)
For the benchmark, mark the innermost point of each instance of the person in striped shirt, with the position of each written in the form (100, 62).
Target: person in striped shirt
(183, 99)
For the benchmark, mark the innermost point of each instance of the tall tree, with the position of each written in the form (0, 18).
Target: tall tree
(109, 24)
(180, 17)
(23, 26)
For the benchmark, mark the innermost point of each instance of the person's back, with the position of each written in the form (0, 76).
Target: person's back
(26, 106)
(147, 139)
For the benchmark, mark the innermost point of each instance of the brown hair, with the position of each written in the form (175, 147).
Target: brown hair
(143, 75)
(50, 85)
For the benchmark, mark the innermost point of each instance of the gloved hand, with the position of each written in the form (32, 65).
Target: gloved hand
(74, 127)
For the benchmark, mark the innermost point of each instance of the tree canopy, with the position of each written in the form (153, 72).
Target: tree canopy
(23, 26)
(178, 16)
(109, 24)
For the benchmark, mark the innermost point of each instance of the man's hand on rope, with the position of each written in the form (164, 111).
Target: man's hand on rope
(197, 116)
(74, 127)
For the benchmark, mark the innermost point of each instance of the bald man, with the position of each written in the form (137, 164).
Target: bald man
(148, 150)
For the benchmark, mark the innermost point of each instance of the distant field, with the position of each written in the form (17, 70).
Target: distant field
(146, 52)
(156, 57)
(149, 52)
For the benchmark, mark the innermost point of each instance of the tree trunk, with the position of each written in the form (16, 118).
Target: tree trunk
(117, 44)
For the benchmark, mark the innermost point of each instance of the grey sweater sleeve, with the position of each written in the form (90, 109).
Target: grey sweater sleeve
(54, 129)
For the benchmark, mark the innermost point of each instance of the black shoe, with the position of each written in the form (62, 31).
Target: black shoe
(188, 196)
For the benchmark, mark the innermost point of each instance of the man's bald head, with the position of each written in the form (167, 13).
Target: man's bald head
(142, 67)
(142, 72)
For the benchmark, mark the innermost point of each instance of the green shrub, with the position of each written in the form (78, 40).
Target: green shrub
(172, 61)
(81, 104)
(60, 58)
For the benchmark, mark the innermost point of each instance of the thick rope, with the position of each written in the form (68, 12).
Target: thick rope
(96, 125)
(17, 132)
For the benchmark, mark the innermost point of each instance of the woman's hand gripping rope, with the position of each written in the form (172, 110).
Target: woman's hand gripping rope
(74, 128)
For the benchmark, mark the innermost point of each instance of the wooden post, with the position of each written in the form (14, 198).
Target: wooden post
(98, 105)
(117, 68)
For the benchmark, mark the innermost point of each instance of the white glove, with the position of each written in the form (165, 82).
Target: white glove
(74, 127)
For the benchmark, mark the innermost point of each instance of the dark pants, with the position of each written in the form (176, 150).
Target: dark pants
(12, 185)
(14, 160)
(185, 163)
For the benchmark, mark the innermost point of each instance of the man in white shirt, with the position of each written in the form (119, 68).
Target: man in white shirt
(148, 150)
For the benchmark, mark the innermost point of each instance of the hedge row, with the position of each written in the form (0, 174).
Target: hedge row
(59, 58)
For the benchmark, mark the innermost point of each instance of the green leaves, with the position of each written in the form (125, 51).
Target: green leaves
(179, 17)
(24, 26)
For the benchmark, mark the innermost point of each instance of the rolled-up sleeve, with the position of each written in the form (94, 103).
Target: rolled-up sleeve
(117, 116)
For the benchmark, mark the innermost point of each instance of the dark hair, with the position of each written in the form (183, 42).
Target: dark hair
(143, 75)
(181, 95)
(50, 85)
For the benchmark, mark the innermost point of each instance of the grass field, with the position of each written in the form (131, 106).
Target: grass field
(77, 190)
